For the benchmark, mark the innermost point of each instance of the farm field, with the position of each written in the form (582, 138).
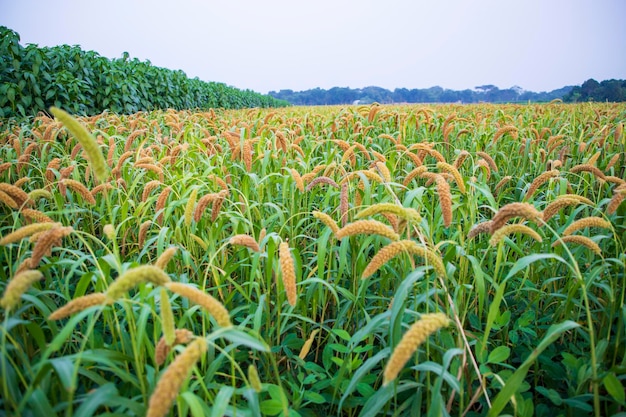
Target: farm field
(458, 260)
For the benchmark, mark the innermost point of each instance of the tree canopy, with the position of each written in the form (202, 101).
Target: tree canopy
(591, 90)
(483, 93)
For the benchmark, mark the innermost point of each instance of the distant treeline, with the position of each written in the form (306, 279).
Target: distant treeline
(591, 90)
(484, 93)
(32, 79)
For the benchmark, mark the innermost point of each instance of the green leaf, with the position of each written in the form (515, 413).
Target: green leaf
(197, 406)
(64, 368)
(551, 394)
(342, 334)
(39, 404)
(499, 354)
(377, 401)
(61, 339)
(479, 282)
(363, 370)
(271, 407)
(514, 382)
(253, 401)
(494, 311)
(238, 337)
(579, 404)
(402, 292)
(221, 401)
(437, 369)
(527, 260)
(369, 329)
(314, 397)
(95, 398)
(614, 387)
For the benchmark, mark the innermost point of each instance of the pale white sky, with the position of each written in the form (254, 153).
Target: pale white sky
(267, 45)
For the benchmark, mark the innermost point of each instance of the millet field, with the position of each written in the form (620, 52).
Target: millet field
(442, 260)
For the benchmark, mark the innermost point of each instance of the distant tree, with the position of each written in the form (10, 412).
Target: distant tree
(401, 95)
(588, 89)
(591, 90)
(487, 93)
(486, 87)
(449, 96)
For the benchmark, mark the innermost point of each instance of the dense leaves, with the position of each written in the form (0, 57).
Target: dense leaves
(32, 79)
(591, 90)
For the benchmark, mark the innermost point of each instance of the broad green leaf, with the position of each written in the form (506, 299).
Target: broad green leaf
(271, 407)
(614, 387)
(253, 401)
(551, 394)
(513, 383)
(499, 354)
(342, 334)
(314, 397)
(370, 328)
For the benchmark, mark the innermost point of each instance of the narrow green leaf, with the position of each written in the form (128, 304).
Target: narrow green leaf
(437, 369)
(63, 336)
(238, 337)
(527, 260)
(494, 310)
(377, 401)
(104, 395)
(39, 404)
(64, 368)
(363, 370)
(479, 282)
(221, 401)
(253, 401)
(402, 292)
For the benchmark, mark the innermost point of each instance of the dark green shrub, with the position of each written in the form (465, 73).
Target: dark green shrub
(32, 79)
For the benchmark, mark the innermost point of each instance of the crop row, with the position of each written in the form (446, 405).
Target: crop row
(34, 78)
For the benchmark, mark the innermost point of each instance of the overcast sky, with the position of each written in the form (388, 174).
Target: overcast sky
(265, 45)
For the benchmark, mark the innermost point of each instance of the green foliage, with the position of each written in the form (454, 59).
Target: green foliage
(591, 90)
(32, 79)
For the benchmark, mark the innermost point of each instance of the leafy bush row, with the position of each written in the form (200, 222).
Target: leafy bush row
(34, 78)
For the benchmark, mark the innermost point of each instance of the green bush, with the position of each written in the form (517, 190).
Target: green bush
(34, 78)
